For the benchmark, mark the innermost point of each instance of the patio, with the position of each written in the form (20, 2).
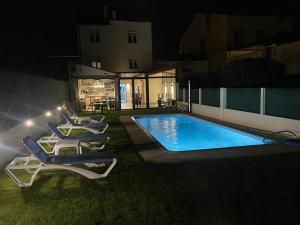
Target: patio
(260, 189)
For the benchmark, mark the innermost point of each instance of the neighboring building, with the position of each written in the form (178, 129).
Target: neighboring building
(218, 36)
(184, 65)
(286, 53)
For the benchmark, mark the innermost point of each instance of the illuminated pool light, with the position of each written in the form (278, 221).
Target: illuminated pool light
(59, 108)
(28, 123)
(48, 113)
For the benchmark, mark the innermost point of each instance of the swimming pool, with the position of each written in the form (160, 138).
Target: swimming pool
(178, 132)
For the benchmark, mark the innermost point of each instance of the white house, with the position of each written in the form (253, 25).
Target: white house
(118, 46)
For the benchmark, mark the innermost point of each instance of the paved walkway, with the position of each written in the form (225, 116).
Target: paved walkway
(151, 150)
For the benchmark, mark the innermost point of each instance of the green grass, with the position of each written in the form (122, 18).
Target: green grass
(255, 190)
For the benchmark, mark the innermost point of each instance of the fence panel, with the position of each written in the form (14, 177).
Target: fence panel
(283, 102)
(180, 95)
(195, 96)
(211, 96)
(244, 99)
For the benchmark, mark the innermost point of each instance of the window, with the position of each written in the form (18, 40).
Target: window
(238, 38)
(94, 37)
(260, 35)
(132, 37)
(133, 63)
(96, 63)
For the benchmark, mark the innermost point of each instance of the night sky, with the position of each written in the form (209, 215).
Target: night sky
(50, 26)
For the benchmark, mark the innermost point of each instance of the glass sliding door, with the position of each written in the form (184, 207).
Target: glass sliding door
(126, 94)
(140, 93)
(163, 89)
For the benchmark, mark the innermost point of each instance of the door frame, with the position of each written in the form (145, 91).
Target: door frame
(133, 88)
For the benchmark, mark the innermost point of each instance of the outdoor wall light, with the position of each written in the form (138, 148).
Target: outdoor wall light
(48, 114)
(28, 123)
(59, 108)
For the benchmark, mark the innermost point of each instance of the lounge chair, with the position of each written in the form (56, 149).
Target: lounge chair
(58, 138)
(80, 118)
(68, 162)
(70, 125)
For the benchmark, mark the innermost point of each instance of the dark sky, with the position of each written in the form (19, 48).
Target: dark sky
(49, 26)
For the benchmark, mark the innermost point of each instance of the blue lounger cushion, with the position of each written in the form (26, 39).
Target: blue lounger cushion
(89, 157)
(87, 137)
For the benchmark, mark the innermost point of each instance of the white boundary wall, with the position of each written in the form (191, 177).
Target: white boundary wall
(25, 96)
(253, 120)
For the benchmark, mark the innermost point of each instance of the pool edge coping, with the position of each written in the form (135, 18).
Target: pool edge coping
(150, 149)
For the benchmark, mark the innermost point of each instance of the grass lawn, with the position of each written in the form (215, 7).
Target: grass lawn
(242, 191)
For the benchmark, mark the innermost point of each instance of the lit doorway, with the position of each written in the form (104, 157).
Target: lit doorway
(126, 94)
(140, 93)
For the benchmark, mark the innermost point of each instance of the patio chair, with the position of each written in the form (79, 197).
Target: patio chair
(174, 104)
(70, 125)
(95, 118)
(160, 104)
(41, 161)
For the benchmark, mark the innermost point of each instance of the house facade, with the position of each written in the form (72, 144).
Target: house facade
(118, 46)
(124, 48)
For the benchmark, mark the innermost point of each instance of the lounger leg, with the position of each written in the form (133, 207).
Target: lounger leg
(27, 168)
(70, 129)
(84, 172)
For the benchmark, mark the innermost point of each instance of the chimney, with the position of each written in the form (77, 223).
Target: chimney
(105, 12)
(114, 14)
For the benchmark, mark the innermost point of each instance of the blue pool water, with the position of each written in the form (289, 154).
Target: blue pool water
(177, 132)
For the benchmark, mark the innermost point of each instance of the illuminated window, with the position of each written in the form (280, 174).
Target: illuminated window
(133, 63)
(94, 37)
(132, 37)
(96, 63)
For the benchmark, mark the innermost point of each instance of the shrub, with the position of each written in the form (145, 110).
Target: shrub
(252, 73)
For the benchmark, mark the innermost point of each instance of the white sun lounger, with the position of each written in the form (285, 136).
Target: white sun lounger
(68, 162)
(70, 125)
(60, 140)
(96, 118)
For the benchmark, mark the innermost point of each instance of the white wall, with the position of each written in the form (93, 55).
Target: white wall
(24, 96)
(254, 120)
(114, 49)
